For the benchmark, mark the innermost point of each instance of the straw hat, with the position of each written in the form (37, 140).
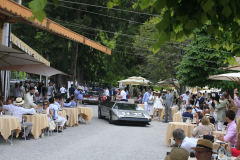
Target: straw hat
(18, 101)
(79, 87)
(178, 154)
(204, 144)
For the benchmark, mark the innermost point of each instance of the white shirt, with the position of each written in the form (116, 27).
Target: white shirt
(16, 91)
(37, 99)
(189, 143)
(63, 90)
(59, 106)
(86, 88)
(205, 95)
(55, 108)
(123, 94)
(107, 92)
(19, 111)
(83, 88)
(9, 107)
(49, 92)
(36, 89)
(185, 98)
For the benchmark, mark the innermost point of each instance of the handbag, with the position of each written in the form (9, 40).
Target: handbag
(52, 125)
(150, 101)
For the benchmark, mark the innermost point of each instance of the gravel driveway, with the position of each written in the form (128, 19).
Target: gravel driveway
(95, 140)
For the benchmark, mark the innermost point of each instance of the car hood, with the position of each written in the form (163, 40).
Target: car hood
(146, 114)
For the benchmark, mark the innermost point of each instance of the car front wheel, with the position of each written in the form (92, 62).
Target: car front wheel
(99, 114)
(110, 118)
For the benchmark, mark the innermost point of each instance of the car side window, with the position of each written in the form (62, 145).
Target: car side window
(109, 104)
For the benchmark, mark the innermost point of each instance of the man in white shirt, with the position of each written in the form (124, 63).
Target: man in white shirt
(185, 97)
(50, 90)
(205, 96)
(9, 107)
(56, 117)
(63, 91)
(107, 94)
(19, 111)
(15, 91)
(183, 141)
(59, 102)
(86, 89)
(29, 99)
(123, 95)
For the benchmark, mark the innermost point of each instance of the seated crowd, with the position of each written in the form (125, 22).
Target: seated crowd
(208, 114)
(50, 106)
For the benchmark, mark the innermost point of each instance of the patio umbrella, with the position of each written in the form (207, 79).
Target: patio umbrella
(40, 69)
(235, 77)
(9, 57)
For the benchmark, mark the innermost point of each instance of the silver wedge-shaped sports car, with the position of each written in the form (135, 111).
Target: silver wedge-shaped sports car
(120, 111)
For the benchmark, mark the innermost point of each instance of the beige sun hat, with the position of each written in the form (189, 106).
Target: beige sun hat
(18, 101)
(178, 154)
(79, 87)
(204, 144)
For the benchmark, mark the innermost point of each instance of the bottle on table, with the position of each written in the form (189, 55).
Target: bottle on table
(229, 151)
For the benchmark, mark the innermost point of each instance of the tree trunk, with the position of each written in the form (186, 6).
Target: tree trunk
(75, 50)
(74, 60)
(80, 73)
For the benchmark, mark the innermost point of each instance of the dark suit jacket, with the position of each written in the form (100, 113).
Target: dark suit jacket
(201, 100)
(111, 92)
(42, 89)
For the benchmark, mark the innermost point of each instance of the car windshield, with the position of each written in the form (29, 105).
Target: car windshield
(93, 93)
(128, 106)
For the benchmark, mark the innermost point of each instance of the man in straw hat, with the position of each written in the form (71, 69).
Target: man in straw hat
(203, 150)
(178, 154)
(79, 95)
(18, 111)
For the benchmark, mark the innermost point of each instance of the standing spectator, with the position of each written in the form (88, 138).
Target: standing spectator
(96, 88)
(231, 133)
(26, 86)
(127, 94)
(168, 106)
(16, 91)
(199, 100)
(79, 95)
(158, 105)
(29, 99)
(42, 90)
(36, 86)
(185, 97)
(112, 93)
(50, 91)
(146, 98)
(236, 102)
(86, 89)
(23, 92)
(63, 91)
(221, 110)
(83, 87)
(153, 98)
(71, 90)
(123, 95)
(205, 95)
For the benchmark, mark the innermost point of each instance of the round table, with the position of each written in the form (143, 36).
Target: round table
(9, 123)
(177, 117)
(174, 110)
(62, 113)
(141, 105)
(86, 112)
(187, 128)
(72, 116)
(40, 121)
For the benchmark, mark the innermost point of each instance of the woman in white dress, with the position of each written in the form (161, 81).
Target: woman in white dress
(152, 97)
(158, 105)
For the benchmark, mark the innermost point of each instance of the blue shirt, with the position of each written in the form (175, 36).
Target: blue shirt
(96, 89)
(146, 97)
(187, 114)
(78, 94)
(112, 91)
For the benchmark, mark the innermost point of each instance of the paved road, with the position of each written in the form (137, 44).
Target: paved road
(95, 140)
